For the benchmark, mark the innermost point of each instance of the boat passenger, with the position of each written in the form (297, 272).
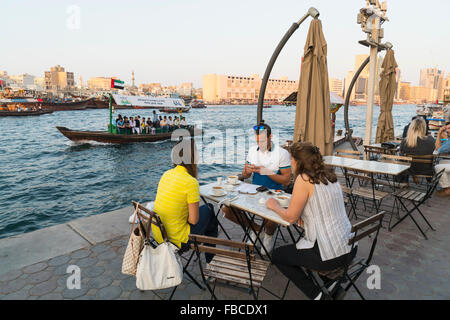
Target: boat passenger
(176, 122)
(119, 124)
(155, 117)
(137, 127)
(126, 125)
(149, 125)
(177, 201)
(444, 148)
(183, 123)
(164, 125)
(270, 166)
(170, 123)
(417, 143)
(143, 126)
(317, 205)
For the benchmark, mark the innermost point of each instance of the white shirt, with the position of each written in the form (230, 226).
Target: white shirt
(132, 124)
(325, 221)
(278, 158)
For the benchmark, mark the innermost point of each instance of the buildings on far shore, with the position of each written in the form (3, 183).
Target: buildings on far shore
(236, 89)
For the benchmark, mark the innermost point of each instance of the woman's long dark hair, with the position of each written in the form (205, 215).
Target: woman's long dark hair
(185, 154)
(310, 162)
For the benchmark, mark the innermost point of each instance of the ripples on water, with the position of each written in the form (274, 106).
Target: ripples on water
(45, 179)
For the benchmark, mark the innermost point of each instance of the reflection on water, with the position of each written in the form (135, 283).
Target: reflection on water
(46, 179)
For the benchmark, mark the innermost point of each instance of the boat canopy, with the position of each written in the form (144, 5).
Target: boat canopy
(148, 101)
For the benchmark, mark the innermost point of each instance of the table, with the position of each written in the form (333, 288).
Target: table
(250, 205)
(366, 166)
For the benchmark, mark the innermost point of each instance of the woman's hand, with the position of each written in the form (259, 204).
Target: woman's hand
(272, 204)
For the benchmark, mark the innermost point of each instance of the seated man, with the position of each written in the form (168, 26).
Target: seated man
(270, 166)
(119, 124)
(183, 123)
(444, 148)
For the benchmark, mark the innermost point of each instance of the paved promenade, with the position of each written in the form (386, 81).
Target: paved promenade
(34, 265)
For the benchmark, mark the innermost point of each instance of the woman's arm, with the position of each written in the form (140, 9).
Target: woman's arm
(193, 213)
(300, 195)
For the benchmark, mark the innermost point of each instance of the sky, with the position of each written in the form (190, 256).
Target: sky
(175, 41)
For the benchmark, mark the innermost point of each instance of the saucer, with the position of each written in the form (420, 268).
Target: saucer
(234, 184)
(214, 195)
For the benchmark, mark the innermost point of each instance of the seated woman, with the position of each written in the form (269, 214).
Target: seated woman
(417, 143)
(317, 204)
(177, 200)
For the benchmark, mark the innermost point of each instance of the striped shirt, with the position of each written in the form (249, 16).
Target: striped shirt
(325, 221)
(176, 189)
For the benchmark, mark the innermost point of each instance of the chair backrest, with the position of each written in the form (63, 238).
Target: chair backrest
(156, 220)
(365, 228)
(348, 153)
(424, 159)
(199, 240)
(395, 159)
(433, 184)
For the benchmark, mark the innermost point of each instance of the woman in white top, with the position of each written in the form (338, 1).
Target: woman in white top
(317, 205)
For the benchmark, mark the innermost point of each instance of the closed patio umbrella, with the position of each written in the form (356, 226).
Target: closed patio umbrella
(388, 85)
(312, 118)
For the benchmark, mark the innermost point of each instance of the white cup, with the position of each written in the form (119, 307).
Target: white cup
(217, 191)
(283, 201)
(229, 187)
(219, 181)
(233, 179)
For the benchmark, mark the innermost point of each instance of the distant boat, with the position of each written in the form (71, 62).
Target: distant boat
(24, 113)
(106, 137)
(198, 104)
(66, 105)
(174, 110)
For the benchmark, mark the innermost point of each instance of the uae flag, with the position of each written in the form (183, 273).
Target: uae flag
(117, 84)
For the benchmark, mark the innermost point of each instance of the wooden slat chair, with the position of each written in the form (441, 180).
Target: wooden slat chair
(348, 200)
(365, 193)
(345, 153)
(425, 159)
(348, 274)
(417, 198)
(240, 268)
(143, 215)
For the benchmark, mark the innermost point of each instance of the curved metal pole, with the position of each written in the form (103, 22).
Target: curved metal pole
(348, 133)
(313, 12)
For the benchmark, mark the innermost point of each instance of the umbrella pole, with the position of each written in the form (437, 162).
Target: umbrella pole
(313, 12)
(348, 132)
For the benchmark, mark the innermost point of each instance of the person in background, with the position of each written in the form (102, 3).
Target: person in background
(170, 123)
(183, 123)
(164, 125)
(155, 117)
(132, 125)
(119, 124)
(419, 144)
(270, 166)
(176, 122)
(317, 205)
(177, 200)
(137, 127)
(126, 125)
(143, 125)
(442, 149)
(405, 129)
(149, 125)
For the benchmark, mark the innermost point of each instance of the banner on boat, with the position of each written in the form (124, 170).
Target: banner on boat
(151, 102)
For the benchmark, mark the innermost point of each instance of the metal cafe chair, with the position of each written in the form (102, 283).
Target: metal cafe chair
(240, 268)
(417, 198)
(348, 274)
(157, 222)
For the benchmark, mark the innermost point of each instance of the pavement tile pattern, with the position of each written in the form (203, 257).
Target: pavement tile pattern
(411, 268)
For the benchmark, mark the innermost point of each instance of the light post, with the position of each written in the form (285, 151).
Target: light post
(371, 18)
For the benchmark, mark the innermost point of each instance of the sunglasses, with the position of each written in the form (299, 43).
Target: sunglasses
(257, 128)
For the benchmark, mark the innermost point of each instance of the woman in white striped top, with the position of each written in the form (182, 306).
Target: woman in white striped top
(317, 205)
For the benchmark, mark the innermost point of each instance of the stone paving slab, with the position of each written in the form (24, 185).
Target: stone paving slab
(411, 268)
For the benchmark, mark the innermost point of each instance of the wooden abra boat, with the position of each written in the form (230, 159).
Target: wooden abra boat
(106, 137)
(174, 110)
(24, 113)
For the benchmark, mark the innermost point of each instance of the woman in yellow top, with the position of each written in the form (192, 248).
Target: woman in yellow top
(177, 201)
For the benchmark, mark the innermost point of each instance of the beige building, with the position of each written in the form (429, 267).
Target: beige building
(100, 83)
(419, 94)
(433, 78)
(336, 86)
(404, 91)
(224, 88)
(57, 79)
(186, 89)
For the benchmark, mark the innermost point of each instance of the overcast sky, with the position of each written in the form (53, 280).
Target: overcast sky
(174, 41)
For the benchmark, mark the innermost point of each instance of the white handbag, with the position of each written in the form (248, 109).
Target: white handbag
(160, 267)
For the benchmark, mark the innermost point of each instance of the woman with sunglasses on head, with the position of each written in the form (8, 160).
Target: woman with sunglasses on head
(317, 205)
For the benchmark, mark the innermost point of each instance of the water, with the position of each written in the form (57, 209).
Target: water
(45, 179)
